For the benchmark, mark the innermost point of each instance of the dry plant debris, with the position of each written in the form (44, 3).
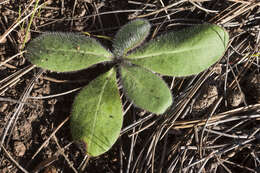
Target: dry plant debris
(35, 106)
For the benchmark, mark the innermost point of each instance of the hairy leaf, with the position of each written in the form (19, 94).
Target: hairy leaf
(145, 89)
(184, 52)
(97, 114)
(130, 36)
(64, 52)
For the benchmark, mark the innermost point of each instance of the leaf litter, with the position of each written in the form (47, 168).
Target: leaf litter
(181, 139)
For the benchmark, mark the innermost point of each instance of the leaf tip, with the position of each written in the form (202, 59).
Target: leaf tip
(66, 52)
(131, 36)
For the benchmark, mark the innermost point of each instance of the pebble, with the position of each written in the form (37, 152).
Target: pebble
(19, 148)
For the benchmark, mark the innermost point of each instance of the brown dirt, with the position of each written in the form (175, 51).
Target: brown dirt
(37, 119)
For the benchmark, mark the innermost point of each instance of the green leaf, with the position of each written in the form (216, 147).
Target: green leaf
(145, 89)
(64, 52)
(96, 117)
(184, 52)
(130, 36)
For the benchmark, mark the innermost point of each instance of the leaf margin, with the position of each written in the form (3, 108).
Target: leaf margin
(43, 54)
(143, 61)
(160, 108)
(79, 134)
(138, 30)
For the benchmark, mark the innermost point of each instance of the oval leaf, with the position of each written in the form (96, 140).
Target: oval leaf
(145, 89)
(96, 117)
(184, 52)
(64, 52)
(130, 36)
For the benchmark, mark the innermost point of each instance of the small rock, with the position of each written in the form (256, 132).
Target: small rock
(22, 130)
(19, 148)
(207, 97)
(3, 106)
(235, 98)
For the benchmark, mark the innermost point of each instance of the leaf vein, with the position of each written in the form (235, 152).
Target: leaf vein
(78, 51)
(167, 52)
(96, 112)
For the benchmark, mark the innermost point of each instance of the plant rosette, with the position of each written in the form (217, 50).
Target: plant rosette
(97, 115)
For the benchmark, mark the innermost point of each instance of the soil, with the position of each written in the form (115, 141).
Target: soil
(231, 88)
